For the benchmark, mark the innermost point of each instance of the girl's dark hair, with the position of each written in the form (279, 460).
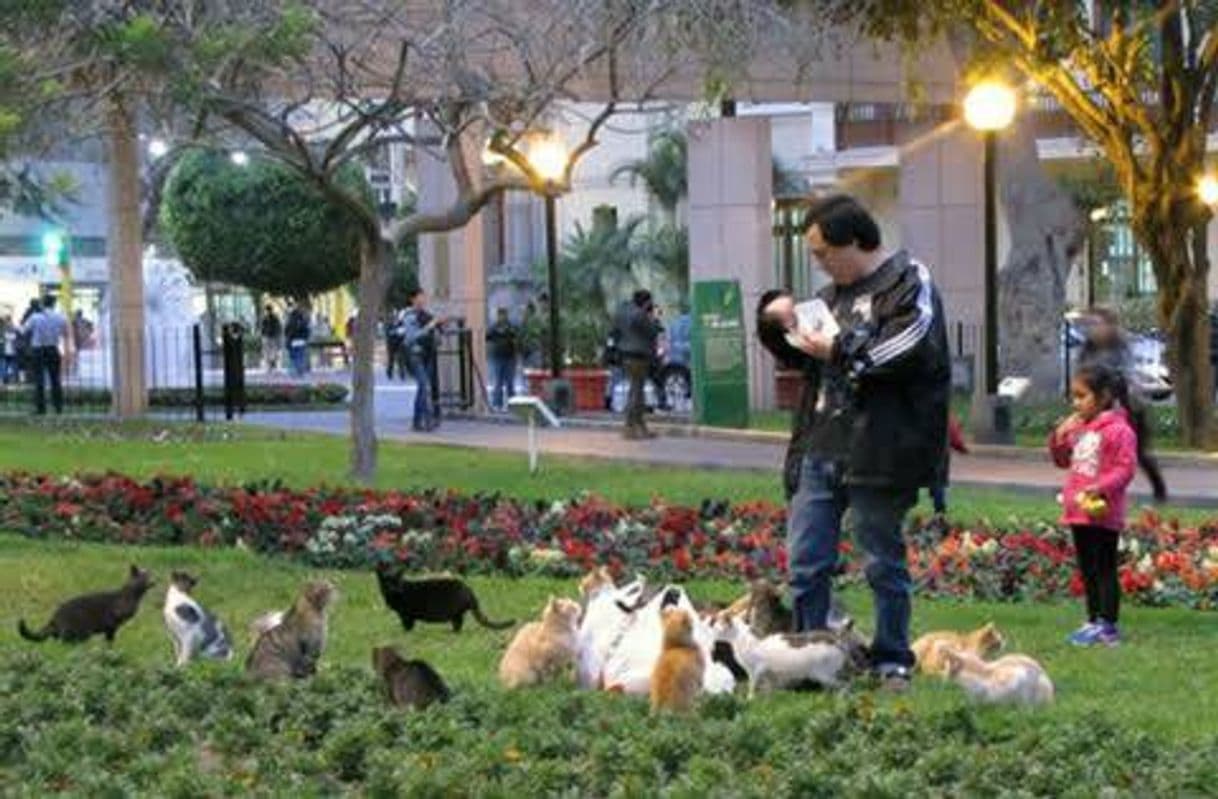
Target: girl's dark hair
(1104, 381)
(844, 221)
(770, 331)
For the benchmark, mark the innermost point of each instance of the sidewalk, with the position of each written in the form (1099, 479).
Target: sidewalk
(1192, 481)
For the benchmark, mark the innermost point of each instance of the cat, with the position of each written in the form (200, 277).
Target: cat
(408, 683)
(928, 650)
(292, 648)
(677, 677)
(766, 613)
(437, 599)
(103, 612)
(821, 658)
(192, 630)
(264, 623)
(1017, 679)
(593, 584)
(542, 650)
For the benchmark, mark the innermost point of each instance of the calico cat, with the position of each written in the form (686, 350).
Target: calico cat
(192, 630)
(764, 610)
(408, 683)
(542, 650)
(436, 599)
(104, 612)
(821, 658)
(677, 677)
(983, 642)
(293, 647)
(1017, 679)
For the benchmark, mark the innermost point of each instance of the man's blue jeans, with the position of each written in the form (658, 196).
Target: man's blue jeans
(503, 376)
(813, 535)
(424, 413)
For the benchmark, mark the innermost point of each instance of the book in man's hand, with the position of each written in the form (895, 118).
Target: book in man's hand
(813, 316)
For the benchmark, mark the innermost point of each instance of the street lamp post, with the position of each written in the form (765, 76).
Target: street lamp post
(548, 157)
(990, 107)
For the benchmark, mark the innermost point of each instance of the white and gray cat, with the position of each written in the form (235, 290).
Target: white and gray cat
(193, 631)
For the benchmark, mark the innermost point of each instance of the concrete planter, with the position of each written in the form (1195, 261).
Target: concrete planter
(587, 385)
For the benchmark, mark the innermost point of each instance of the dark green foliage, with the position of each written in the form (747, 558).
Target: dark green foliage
(96, 724)
(261, 226)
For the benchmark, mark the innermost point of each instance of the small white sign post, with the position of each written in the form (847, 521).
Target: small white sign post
(531, 409)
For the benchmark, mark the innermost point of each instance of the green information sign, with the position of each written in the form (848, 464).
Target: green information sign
(721, 373)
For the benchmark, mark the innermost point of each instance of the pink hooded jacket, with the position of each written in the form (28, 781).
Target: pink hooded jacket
(1102, 457)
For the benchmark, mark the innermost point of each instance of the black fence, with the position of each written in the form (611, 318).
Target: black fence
(186, 376)
(456, 377)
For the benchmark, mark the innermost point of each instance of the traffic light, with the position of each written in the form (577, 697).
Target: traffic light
(55, 248)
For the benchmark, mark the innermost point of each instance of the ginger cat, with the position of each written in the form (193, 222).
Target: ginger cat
(543, 649)
(1017, 679)
(982, 642)
(677, 676)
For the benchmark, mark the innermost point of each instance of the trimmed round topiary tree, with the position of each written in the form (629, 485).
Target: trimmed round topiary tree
(259, 225)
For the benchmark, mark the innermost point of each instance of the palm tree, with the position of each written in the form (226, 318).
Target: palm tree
(662, 171)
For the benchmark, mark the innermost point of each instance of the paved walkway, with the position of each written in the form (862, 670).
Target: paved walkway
(1191, 483)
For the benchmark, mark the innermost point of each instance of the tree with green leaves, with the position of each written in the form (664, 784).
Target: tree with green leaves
(259, 225)
(1139, 80)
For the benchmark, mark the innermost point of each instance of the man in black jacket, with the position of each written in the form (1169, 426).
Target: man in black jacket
(636, 329)
(872, 426)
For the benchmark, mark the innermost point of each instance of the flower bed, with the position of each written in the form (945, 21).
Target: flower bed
(1164, 563)
(256, 394)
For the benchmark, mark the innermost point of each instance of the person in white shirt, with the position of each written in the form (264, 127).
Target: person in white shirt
(47, 327)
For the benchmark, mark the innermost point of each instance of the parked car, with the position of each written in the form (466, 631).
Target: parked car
(1151, 375)
(671, 384)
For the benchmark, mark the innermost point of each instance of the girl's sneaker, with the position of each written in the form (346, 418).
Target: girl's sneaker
(1087, 635)
(1108, 635)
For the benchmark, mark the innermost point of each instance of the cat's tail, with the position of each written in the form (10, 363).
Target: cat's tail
(30, 635)
(487, 623)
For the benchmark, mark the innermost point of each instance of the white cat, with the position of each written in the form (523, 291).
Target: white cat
(193, 631)
(628, 665)
(1012, 678)
(785, 660)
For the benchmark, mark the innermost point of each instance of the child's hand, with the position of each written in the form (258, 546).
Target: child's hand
(1066, 425)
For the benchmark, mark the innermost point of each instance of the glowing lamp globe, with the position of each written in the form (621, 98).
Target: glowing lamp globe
(1207, 189)
(989, 106)
(548, 157)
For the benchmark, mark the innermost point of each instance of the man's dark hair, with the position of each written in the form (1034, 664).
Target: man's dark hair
(770, 331)
(412, 294)
(843, 221)
(642, 298)
(48, 301)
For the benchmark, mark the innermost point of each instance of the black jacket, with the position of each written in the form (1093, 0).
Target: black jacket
(501, 340)
(889, 374)
(636, 331)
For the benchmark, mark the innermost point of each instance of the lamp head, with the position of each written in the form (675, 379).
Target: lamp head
(989, 105)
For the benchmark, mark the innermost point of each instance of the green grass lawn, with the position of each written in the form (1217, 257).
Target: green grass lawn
(237, 454)
(1159, 685)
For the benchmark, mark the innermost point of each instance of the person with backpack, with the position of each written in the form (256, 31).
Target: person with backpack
(296, 331)
(418, 334)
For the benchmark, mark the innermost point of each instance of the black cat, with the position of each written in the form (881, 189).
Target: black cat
(408, 683)
(104, 612)
(435, 599)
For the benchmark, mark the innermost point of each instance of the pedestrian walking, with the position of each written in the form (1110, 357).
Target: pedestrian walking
(636, 329)
(271, 329)
(47, 327)
(502, 349)
(296, 331)
(1106, 345)
(872, 422)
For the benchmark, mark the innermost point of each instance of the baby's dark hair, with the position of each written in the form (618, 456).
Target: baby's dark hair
(1104, 381)
(770, 330)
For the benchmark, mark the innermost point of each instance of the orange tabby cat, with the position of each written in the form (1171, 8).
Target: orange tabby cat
(1017, 679)
(543, 649)
(928, 649)
(677, 676)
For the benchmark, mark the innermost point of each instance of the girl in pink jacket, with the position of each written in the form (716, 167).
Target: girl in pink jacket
(1099, 448)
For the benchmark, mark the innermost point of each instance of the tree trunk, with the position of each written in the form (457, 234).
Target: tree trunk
(125, 250)
(1175, 238)
(363, 369)
(1046, 231)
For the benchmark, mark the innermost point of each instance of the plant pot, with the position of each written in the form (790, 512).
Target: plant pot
(587, 385)
(788, 383)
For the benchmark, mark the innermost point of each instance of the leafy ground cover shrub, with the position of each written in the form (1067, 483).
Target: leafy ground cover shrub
(256, 394)
(95, 725)
(1165, 563)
